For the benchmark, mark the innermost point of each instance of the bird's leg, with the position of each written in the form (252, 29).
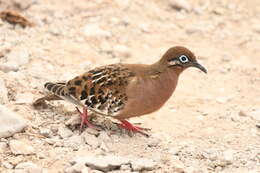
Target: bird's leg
(127, 125)
(84, 118)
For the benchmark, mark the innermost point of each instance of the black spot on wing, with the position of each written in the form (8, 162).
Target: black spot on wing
(78, 82)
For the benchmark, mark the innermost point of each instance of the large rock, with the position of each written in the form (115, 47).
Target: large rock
(10, 122)
(28, 167)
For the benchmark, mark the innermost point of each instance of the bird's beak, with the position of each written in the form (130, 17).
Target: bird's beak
(197, 65)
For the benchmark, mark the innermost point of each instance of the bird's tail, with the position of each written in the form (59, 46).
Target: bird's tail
(56, 88)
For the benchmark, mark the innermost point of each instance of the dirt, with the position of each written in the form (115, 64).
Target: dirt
(206, 126)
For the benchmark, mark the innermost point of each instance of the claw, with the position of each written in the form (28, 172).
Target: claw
(127, 125)
(84, 118)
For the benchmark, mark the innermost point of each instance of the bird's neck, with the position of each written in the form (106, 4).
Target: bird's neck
(159, 68)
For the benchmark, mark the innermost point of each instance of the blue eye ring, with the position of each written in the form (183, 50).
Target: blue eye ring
(183, 58)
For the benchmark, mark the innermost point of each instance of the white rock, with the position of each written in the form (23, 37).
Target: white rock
(91, 140)
(94, 30)
(3, 93)
(19, 147)
(102, 163)
(18, 57)
(64, 132)
(125, 167)
(228, 156)
(121, 50)
(45, 132)
(180, 4)
(74, 142)
(78, 167)
(256, 28)
(177, 165)
(10, 122)
(255, 114)
(29, 167)
(143, 164)
(3, 147)
(7, 165)
(22, 98)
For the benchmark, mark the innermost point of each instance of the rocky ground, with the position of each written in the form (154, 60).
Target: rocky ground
(211, 123)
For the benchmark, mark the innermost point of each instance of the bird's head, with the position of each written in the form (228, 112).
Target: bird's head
(179, 57)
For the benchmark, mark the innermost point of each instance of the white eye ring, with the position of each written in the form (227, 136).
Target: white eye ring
(183, 58)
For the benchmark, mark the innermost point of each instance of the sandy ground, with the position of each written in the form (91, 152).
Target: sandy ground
(208, 125)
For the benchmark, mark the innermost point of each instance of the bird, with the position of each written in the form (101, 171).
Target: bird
(122, 91)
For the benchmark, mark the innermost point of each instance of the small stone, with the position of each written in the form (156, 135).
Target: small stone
(19, 147)
(103, 163)
(74, 142)
(10, 122)
(177, 165)
(23, 98)
(91, 140)
(45, 132)
(125, 168)
(3, 147)
(255, 114)
(87, 170)
(29, 167)
(256, 28)
(103, 136)
(154, 142)
(228, 156)
(73, 121)
(3, 93)
(64, 132)
(94, 30)
(7, 165)
(180, 5)
(78, 167)
(121, 50)
(18, 57)
(223, 99)
(143, 164)
(174, 151)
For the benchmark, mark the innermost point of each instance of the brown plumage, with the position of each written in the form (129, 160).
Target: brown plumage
(123, 91)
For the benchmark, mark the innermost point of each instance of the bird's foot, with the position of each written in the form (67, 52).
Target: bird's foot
(84, 118)
(128, 126)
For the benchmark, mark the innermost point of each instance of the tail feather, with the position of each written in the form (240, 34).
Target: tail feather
(55, 88)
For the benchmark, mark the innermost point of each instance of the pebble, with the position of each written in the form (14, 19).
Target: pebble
(3, 147)
(121, 51)
(3, 93)
(78, 167)
(125, 167)
(17, 58)
(256, 28)
(228, 155)
(64, 132)
(19, 147)
(23, 98)
(74, 142)
(94, 30)
(45, 132)
(91, 140)
(29, 167)
(7, 165)
(10, 122)
(102, 163)
(177, 165)
(255, 114)
(180, 5)
(143, 164)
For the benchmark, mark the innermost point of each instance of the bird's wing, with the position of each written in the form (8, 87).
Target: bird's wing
(102, 90)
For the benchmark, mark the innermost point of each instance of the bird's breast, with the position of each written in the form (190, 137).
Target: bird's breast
(147, 95)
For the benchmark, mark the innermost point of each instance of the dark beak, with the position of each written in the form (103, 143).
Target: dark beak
(197, 65)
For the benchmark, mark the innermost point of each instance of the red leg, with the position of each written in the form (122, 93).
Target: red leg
(127, 125)
(84, 118)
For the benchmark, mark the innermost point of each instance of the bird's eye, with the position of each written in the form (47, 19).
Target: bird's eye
(183, 58)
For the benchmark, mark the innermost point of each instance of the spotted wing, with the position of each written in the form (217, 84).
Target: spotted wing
(102, 89)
